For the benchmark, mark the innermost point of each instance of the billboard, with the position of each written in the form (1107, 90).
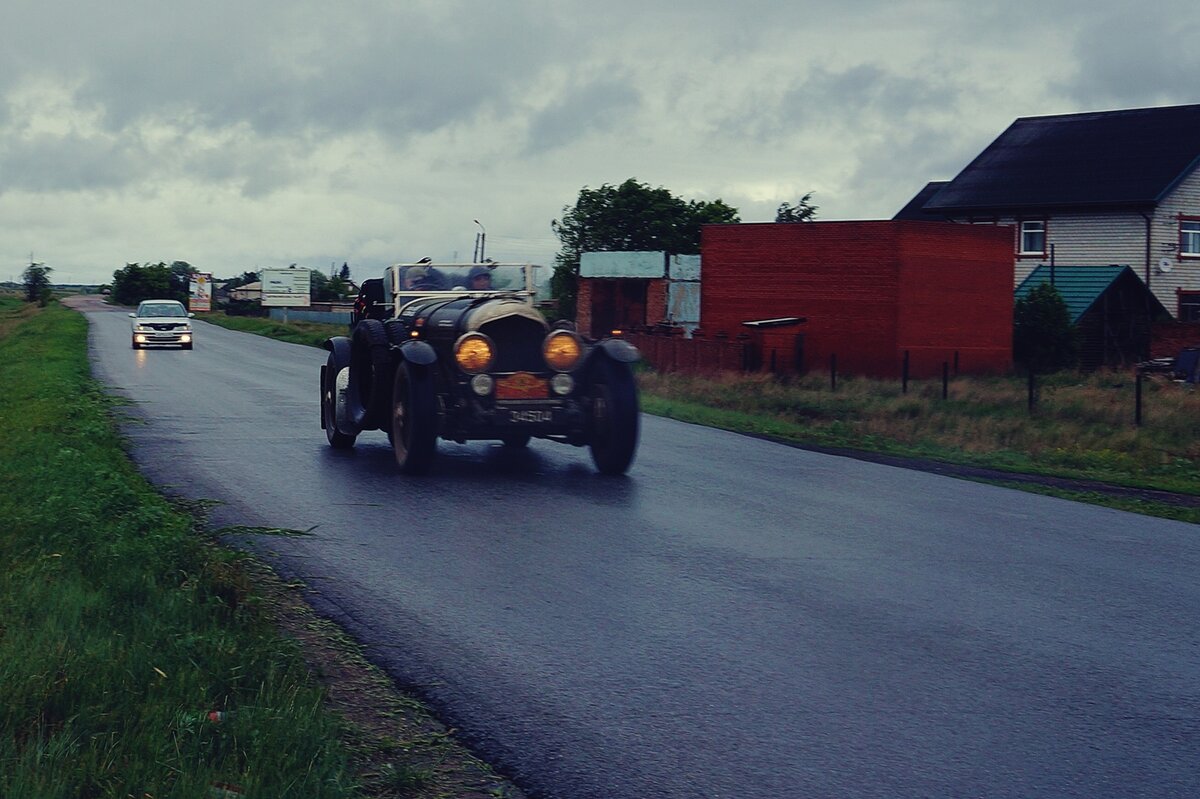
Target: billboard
(200, 293)
(285, 287)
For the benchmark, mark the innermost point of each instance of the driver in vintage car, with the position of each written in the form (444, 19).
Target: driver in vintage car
(479, 279)
(424, 278)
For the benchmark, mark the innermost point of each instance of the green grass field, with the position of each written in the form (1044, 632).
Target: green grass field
(121, 626)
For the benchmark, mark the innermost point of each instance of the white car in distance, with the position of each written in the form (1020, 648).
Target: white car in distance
(161, 322)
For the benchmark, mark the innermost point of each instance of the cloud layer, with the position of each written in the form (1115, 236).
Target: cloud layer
(239, 136)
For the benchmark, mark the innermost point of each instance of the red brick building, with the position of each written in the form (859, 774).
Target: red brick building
(870, 293)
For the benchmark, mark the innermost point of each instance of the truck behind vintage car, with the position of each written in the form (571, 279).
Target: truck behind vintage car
(459, 352)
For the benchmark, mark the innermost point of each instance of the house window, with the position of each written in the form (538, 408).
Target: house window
(1033, 237)
(1189, 306)
(1189, 238)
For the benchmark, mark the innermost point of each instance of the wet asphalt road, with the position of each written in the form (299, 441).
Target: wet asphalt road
(735, 618)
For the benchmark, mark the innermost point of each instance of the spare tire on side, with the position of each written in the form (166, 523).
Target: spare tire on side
(369, 397)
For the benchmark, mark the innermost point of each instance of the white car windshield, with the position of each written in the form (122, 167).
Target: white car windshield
(162, 309)
(462, 278)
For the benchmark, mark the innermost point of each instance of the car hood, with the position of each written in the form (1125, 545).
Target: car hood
(160, 320)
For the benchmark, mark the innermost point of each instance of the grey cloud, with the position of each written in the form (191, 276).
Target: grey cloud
(282, 72)
(858, 99)
(594, 108)
(64, 163)
(861, 92)
(1136, 59)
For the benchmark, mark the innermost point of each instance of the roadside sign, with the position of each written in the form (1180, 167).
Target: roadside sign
(200, 295)
(285, 287)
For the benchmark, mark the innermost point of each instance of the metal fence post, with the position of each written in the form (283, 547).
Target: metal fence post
(904, 375)
(1137, 403)
(833, 372)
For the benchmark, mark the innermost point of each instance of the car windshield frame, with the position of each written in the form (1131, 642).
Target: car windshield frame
(456, 279)
(173, 310)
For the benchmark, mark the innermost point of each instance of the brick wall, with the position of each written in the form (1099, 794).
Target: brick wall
(1166, 340)
(869, 291)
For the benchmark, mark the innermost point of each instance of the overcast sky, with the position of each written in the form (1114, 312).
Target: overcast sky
(243, 135)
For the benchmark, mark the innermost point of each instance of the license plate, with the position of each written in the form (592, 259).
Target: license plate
(530, 417)
(522, 385)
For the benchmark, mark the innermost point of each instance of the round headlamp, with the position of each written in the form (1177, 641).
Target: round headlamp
(482, 384)
(474, 353)
(562, 349)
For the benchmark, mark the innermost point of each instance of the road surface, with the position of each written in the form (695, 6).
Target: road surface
(735, 618)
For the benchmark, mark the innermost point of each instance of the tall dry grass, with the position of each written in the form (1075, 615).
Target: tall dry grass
(1082, 425)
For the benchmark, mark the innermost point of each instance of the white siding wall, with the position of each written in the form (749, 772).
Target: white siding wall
(1085, 240)
(1164, 243)
(1119, 237)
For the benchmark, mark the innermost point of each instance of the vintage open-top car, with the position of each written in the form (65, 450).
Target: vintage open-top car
(458, 351)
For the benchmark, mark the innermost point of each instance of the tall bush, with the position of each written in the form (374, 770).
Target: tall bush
(1044, 339)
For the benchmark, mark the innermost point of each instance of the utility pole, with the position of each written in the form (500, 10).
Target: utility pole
(481, 239)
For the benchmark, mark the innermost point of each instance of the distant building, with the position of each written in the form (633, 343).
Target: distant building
(249, 291)
(1091, 189)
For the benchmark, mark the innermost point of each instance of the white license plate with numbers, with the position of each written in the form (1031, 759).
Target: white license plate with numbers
(530, 417)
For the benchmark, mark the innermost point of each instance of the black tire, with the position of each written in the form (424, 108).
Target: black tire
(516, 441)
(370, 375)
(394, 332)
(186, 346)
(614, 416)
(135, 345)
(414, 418)
(337, 440)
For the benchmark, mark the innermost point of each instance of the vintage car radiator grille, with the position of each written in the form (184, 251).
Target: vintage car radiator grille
(518, 344)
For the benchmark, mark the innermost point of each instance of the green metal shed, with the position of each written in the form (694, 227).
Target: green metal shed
(1110, 306)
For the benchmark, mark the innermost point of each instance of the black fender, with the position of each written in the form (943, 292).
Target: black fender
(340, 347)
(418, 353)
(612, 349)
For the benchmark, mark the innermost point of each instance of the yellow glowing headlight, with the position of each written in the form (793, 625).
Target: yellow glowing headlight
(561, 350)
(474, 353)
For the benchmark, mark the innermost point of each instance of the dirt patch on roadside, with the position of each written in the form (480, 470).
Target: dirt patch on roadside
(399, 748)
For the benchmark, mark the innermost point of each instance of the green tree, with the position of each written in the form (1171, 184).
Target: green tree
(37, 283)
(136, 282)
(181, 281)
(802, 211)
(344, 273)
(241, 280)
(1044, 340)
(629, 217)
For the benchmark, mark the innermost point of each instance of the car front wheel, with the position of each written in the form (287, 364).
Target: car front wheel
(414, 419)
(337, 440)
(614, 417)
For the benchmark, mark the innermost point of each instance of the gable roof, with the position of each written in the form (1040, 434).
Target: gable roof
(1082, 286)
(915, 209)
(1132, 157)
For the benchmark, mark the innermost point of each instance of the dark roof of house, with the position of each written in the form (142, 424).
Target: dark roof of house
(1082, 286)
(915, 209)
(1132, 157)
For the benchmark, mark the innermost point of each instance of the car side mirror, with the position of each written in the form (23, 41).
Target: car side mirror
(133, 316)
(191, 315)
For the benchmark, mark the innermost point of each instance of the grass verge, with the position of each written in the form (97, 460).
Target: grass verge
(1082, 426)
(139, 659)
(310, 333)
